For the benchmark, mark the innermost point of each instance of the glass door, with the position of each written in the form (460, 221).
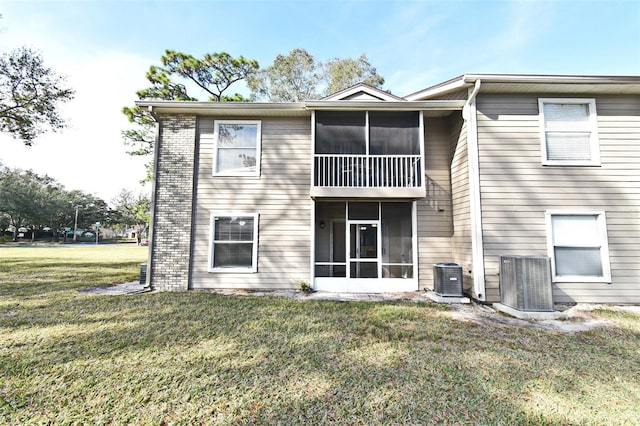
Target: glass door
(364, 249)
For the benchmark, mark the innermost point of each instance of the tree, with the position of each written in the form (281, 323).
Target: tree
(291, 78)
(30, 94)
(343, 73)
(24, 198)
(33, 201)
(214, 74)
(298, 77)
(91, 209)
(133, 211)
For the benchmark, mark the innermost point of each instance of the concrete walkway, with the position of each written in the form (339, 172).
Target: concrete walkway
(133, 287)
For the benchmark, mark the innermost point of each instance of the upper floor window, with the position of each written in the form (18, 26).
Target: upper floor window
(236, 148)
(569, 132)
(367, 132)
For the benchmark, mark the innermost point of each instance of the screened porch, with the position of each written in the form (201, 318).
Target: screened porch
(368, 154)
(365, 246)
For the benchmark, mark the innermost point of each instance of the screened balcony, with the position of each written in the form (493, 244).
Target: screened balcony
(368, 154)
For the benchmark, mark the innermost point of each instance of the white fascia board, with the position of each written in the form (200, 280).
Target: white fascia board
(552, 78)
(225, 108)
(298, 108)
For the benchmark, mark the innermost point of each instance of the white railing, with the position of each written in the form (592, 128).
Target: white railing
(367, 171)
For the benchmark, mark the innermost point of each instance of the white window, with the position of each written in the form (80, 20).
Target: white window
(237, 148)
(234, 242)
(577, 245)
(569, 132)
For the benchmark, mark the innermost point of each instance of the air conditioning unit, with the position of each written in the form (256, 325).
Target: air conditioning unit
(447, 279)
(525, 283)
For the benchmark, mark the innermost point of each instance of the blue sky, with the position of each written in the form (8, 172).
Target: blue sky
(105, 48)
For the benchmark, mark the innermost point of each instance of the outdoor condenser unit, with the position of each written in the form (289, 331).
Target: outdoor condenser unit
(525, 283)
(447, 279)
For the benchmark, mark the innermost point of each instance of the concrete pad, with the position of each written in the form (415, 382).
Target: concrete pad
(447, 299)
(361, 297)
(530, 315)
(133, 287)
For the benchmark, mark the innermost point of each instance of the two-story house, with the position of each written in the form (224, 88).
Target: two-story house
(364, 191)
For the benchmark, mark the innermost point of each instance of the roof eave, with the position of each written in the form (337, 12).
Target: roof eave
(441, 105)
(448, 86)
(224, 108)
(298, 108)
(551, 78)
(606, 83)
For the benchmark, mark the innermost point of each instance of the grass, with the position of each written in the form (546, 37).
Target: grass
(200, 358)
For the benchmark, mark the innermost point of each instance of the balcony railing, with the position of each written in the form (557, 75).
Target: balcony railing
(367, 171)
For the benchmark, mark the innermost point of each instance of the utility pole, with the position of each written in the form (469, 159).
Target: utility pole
(75, 226)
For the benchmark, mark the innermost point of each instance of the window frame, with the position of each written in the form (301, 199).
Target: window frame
(254, 251)
(601, 224)
(216, 147)
(594, 140)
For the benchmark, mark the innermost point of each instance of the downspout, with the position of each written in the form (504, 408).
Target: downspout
(152, 240)
(477, 245)
(312, 203)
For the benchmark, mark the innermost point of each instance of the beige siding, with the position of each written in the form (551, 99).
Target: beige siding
(280, 196)
(461, 240)
(516, 190)
(434, 213)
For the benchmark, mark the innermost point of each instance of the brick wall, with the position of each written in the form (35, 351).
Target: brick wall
(173, 205)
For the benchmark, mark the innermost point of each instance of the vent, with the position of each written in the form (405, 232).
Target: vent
(447, 279)
(525, 283)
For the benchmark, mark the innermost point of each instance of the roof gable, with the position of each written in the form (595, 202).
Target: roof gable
(362, 92)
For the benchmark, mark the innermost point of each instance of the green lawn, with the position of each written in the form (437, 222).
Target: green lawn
(199, 358)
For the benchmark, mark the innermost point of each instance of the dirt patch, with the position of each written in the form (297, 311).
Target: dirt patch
(579, 318)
